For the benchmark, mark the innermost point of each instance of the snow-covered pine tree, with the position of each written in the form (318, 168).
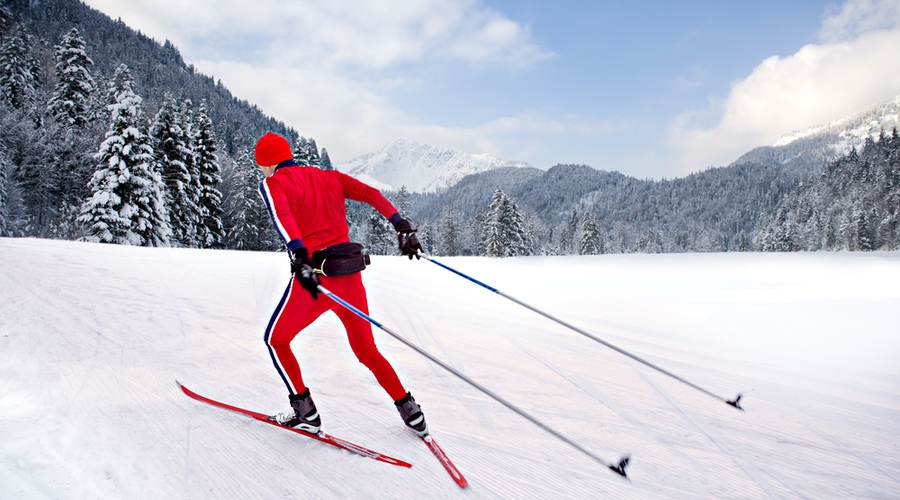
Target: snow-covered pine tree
(19, 70)
(312, 151)
(119, 82)
(239, 225)
(211, 234)
(865, 230)
(193, 189)
(651, 242)
(401, 201)
(5, 167)
(5, 19)
(423, 234)
(520, 238)
(306, 152)
(249, 223)
(504, 233)
(12, 208)
(326, 161)
(381, 238)
(70, 103)
(170, 150)
(477, 232)
(493, 235)
(449, 235)
(591, 242)
(126, 205)
(566, 236)
(301, 151)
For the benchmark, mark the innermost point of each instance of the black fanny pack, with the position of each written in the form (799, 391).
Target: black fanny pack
(340, 259)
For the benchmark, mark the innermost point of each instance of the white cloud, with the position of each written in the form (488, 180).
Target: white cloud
(856, 17)
(326, 67)
(853, 67)
(362, 34)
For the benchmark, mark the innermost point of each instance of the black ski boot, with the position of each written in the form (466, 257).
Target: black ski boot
(412, 415)
(302, 415)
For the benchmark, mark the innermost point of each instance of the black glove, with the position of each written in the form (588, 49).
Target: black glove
(302, 268)
(406, 239)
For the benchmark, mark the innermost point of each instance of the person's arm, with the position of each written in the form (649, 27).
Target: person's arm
(279, 209)
(359, 191)
(277, 204)
(406, 236)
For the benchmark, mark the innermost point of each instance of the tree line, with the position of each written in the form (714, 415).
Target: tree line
(852, 203)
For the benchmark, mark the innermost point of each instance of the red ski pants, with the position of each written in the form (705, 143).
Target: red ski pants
(298, 309)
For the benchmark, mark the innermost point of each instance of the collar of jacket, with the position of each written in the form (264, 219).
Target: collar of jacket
(286, 163)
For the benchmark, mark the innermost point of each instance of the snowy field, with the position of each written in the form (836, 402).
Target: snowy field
(93, 337)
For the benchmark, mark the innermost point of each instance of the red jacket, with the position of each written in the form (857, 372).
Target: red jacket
(307, 205)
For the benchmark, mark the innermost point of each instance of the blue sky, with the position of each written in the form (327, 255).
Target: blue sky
(652, 89)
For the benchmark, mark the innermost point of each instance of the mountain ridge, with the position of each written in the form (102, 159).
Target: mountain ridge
(420, 168)
(809, 149)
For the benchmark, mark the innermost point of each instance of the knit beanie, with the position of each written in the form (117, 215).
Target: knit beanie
(272, 149)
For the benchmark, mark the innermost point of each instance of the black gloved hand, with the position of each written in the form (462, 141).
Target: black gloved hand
(302, 268)
(407, 240)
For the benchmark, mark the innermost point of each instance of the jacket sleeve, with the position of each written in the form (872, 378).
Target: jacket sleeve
(277, 204)
(358, 191)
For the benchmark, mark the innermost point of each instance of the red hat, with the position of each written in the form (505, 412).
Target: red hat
(272, 149)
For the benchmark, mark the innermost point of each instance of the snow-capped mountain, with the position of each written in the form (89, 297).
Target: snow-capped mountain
(811, 148)
(853, 130)
(420, 168)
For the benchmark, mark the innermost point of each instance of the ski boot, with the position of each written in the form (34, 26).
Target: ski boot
(412, 415)
(302, 415)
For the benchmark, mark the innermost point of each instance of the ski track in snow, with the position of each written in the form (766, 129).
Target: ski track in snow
(91, 345)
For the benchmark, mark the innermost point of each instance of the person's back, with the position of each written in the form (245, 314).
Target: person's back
(313, 200)
(308, 211)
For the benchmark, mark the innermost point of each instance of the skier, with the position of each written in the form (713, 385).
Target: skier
(308, 210)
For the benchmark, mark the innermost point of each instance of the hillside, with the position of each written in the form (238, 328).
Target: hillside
(808, 150)
(157, 67)
(90, 348)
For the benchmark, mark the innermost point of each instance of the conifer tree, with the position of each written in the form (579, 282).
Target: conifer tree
(519, 236)
(401, 201)
(590, 243)
(126, 205)
(250, 226)
(5, 19)
(423, 233)
(240, 225)
(210, 231)
(493, 236)
(326, 161)
(70, 103)
(5, 167)
(504, 233)
(171, 153)
(566, 235)
(19, 71)
(312, 151)
(381, 239)
(306, 152)
(449, 235)
(193, 189)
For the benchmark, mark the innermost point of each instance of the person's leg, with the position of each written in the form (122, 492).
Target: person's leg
(296, 310)
(359, 332)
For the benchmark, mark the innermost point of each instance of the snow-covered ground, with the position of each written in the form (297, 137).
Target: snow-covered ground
(93, 337)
